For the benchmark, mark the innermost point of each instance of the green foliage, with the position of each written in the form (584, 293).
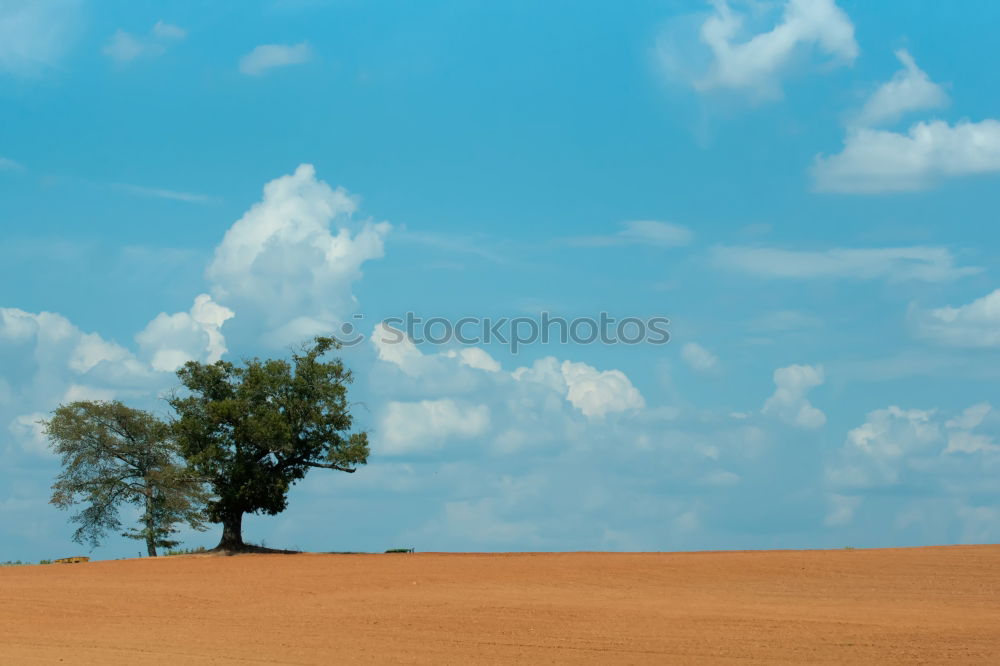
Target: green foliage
(113, 454)
(254, 430)
(45, 561)
(399, 550)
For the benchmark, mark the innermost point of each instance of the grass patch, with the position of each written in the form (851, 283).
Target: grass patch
(19, 563)
(185, 551)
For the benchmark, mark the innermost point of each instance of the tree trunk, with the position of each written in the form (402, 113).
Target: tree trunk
(232, 531)
(150, 521)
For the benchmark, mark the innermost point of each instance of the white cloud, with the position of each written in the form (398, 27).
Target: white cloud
(34, 34)
(789, 402)
(395, 347)
(281, 261)
(92, 349)
(926, 264)
(896, 450)
(960, 437)
(593, 392)
(413, 427)
(170, 341)
(597, 393)
(83, 392)
(29, 433)
(967, 442)
(756, 62)
(125, 47)
(877, 452)
(910, 89)
(641, 232)
(971, 417)
(45, 360)
(168, 31)
(878, 160)
(699, 358)
(270, 56)
(976, 324)
(474, 357)
(883, 161)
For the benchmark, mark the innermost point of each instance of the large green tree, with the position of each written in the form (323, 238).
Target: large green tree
(255, 429)
(113, 455)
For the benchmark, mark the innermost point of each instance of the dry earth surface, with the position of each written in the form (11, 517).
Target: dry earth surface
(921, 605)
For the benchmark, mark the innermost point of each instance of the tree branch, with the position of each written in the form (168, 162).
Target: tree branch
(349, 470)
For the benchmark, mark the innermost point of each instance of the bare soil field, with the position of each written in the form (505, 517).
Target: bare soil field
(921, 605)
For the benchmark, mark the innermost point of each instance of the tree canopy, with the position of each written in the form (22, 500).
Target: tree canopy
(113, 455)
(253, 430)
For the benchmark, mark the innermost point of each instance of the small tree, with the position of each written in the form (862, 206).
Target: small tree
(255, 430)
(113, 454)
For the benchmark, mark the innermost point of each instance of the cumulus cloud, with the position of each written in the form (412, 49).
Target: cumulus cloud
(884, 161)
(170, 341)
(29, 434)
(474, 357)
(641, 232)
(896, 446)
(953, 459)
(880, 160)
(910, 89)
(34, 34)
(595, 393)
(789, 403)
(282, 263)
(411, 427)
(271, 56)
(45, 360)
(756, 62)
(976, 324)
(925, 264)
(51, 361)
(699, 358)
(961, 439)
(125, 46)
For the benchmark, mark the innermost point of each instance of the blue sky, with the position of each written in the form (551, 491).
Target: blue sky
(806, 189)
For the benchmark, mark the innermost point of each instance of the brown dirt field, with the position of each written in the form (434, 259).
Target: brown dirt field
(921, 605)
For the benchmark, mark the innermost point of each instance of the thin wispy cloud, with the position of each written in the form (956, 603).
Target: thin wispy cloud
(161, 193)
(35, 34)
(755, 63)
(7, 164)
(452, 243)
(924, 264)
(125, 47)
(640, 232)
(272, 56)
